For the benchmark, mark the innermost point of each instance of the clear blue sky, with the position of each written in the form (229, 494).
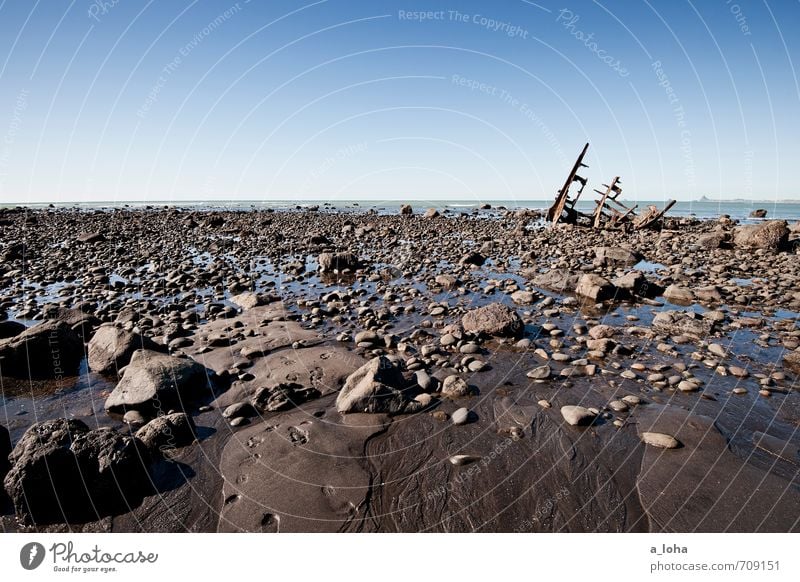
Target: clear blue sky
(181, 100)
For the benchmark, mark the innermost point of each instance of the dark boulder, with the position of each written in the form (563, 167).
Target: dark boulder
(62, 471)
(50, 349)
(330, 262)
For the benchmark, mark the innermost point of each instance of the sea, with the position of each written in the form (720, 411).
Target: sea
(705, 209)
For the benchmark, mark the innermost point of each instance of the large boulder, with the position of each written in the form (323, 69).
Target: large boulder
(62, 471)
(595, 287)
(682, 323)
(377, 386)
(111, 348)
(155, 381)
(560, 280)
(769, 235)
(494, 319)
(169, 431)
(758, 213)
(50, 349)
(406, 210)
(616, 256)
(330, 262)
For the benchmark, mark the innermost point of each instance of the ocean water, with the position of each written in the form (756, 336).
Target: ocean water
(703, 209)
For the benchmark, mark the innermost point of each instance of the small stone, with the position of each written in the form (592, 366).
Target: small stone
(739, 390)
(540, 373)
(134, 417)
(686, 386)
(544, 404)
(660, 440)
(738, 372)
(717, 350)
(455, 387)
(631, 400)
(459, 460)
(460, 416)
(618, 406)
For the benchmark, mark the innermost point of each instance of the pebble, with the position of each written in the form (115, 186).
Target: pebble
(459, 460)
(540, 373)
(660, 440)
(618, 406)
(455, 386)
(686, 386)
(460, 416)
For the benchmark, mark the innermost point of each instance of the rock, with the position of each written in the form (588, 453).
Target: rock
(494, 319)
(682, 323)
(577, 415)
(540, 373)
(50, 349)
(708, 293)
(758, 213)
(239, 410)
(111, 348)
(81, 322)
(425, 382)
(284, 396)
(595, 287)
(61, 471)
(602, 331)
(616, 256)
(377, 386)
(472, 258)
(366, 336)
(792, 361)
(90, 237)
(677, 294)
(718, 350)
(769, 235)
(712, 240)
(618, 406)
(170, 431)
(249, 300)
(660, 440)
(635, 283)
(559, 280)
(460, 416)
(687, 386)
(523, 297)
(454, 387)
(10, 329)
(406, 210)
(134, 418)
(459, 460)
(155, 381)
(337, 262)
(446, 281)
(431, 213)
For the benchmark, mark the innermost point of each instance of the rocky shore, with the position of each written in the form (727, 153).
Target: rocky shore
(307, 370)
